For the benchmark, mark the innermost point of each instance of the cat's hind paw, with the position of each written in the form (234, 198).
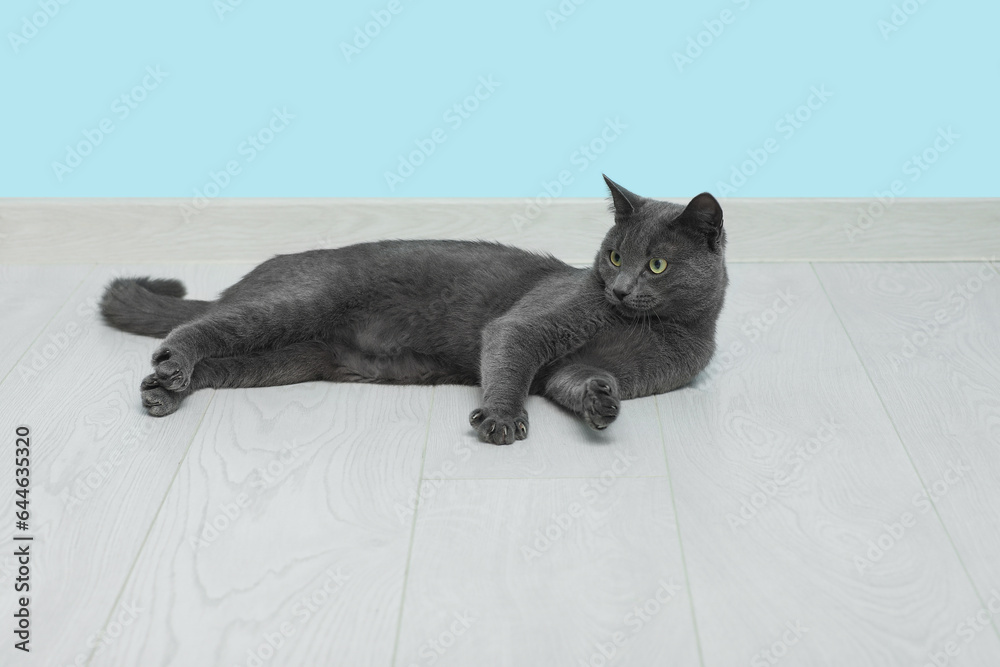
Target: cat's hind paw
(497, 428)
(171, 369)
(158, 401)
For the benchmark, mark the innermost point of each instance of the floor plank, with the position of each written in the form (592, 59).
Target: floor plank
(929, 335)
(785, 467)
(285, 489)
(542, 572)
(30, 296)
(100, 466)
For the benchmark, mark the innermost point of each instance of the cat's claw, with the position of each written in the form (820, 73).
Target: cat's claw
(157, 400)
(497, 428)
(600, 404)
(171, 369)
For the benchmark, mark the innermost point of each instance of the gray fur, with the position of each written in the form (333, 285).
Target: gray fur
(148, 306)
(431, 312)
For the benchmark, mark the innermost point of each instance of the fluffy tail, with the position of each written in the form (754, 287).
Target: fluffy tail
(148, 306)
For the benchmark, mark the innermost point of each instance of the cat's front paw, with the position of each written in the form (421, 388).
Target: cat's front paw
(498, 428)
(172, 369)
(158, 401)
(600, 403)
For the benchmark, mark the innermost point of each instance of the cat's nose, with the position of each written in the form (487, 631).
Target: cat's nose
(621, 293)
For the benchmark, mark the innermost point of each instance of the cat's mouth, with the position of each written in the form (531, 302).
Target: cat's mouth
(631, 304)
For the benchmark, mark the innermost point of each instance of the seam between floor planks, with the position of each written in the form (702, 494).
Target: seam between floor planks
(677, 527)
(413, 530)
(41, 330)
(906, 451)
(149, 529)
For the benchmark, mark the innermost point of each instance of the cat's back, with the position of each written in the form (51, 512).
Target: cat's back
(493, 273)
(483, 271)
(432, 263)
(470, 255)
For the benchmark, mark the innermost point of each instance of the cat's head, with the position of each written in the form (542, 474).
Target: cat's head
(662, 258)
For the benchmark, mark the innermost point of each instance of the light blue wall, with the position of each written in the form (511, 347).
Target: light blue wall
(671, 128)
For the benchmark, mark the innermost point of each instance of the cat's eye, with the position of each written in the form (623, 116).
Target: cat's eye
(657, 265)
(616, 259)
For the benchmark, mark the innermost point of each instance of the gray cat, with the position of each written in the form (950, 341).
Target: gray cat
(640, 321)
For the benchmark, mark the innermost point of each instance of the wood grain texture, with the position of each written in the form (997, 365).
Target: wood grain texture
(345, 524)
(100, 466)
(284, 488)
(567, 600)
(29, 297)
(559, 444)
(785, 468)
(929, 335)
(251, 230)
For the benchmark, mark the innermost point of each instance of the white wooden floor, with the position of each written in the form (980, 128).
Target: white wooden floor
(827, 493)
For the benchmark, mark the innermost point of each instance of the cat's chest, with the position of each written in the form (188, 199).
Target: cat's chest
(638, 338)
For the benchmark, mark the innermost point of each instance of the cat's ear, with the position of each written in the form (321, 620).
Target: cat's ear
(625, 203)
(704, 215)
